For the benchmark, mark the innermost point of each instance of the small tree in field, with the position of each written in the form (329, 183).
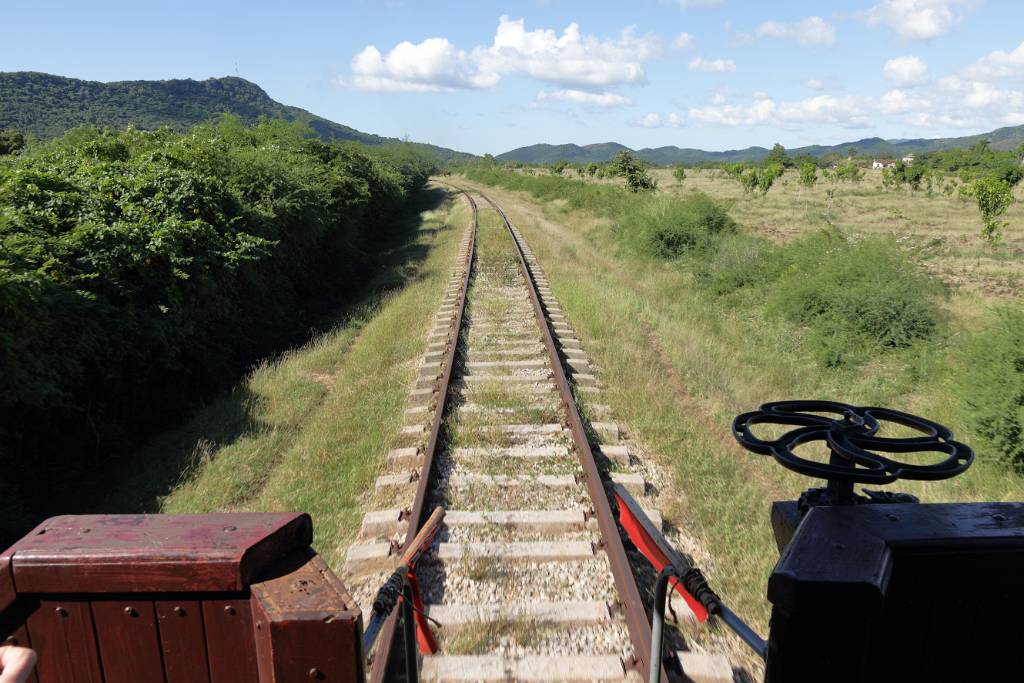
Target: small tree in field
(634, 171)
(808, 174)
(994, 197)
(778, 155)
(767, 175)
(559, 166)
(592, 169)
(679, 173)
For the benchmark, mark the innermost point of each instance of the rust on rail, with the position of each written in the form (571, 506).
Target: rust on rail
(625, 583)
(417, 516)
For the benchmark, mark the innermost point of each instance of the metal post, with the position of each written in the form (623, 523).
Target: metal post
(409, 635)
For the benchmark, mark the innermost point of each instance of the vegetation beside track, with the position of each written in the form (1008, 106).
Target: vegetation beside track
(310, 430)
(140, 271)
(680, 361)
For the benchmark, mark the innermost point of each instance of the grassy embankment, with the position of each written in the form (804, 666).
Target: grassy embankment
(680, 361)
(310, 430)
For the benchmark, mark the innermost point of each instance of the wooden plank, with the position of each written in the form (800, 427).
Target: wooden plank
(230, 644)
(62, 634)
(307, 625)
(153, 553)
(181, 637)
(128, 640)
(7, 593)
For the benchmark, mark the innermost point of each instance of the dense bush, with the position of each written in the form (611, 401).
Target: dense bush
(138, 268)
(994, 386)
(855, 297)
(668, 227)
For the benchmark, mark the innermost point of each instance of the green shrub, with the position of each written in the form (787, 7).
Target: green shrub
(994, 386)
(667, 228)
(141, 269)
(994, 197)
(855, 296)
(741, 260)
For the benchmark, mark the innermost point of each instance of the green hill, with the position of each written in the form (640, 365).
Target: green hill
(45, 105)
(1001, 139)
(548, 154)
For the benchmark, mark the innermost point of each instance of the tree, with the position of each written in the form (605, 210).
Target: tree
(766, 177)
(679, 173)
(778, 156)
(994, 197)
(808, 174)
(592, 169)
(627, 166)
(559, 166)
(10, 141)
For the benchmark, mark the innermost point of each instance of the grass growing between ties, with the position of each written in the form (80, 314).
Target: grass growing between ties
(310, 430)
(684, 344)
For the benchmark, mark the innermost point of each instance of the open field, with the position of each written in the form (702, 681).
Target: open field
(679, 366)
(309, 431)
(944, 229)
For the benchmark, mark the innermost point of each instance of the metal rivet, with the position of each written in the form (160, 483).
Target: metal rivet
(316, 673)
(130, 611)
(229, 610)
(999, 517)
(231, 528)
(61, 612)
(179, 610)
(892, 518)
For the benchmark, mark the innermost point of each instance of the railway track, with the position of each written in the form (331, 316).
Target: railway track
(529, 579)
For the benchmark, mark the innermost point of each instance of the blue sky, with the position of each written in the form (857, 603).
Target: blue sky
(491, 76)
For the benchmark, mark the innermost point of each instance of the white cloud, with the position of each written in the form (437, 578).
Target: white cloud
(815, 84)
(683, 40)
(996, 65)
(849, 112)
(980, 94)
(599, 99)
(916, 19)
(1015, 118)
(761, 111)
(899, 102)
(808, 31)
(718, 98)
(570, 59)
(844, 111)
(712, 65)
(655, 120)
(906, 71)
(433, 65)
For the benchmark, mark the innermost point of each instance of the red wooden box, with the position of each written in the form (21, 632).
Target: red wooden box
(222, 598)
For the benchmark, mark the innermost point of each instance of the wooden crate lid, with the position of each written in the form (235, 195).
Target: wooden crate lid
(149, 553)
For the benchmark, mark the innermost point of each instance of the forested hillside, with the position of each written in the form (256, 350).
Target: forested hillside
(46, 106)
(1001, 139)
(138, 270)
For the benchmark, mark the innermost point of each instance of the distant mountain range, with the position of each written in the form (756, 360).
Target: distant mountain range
(1002, 139)
(46, 105)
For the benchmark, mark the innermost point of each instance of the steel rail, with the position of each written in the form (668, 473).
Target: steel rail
(629, 594)
(416, 515)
